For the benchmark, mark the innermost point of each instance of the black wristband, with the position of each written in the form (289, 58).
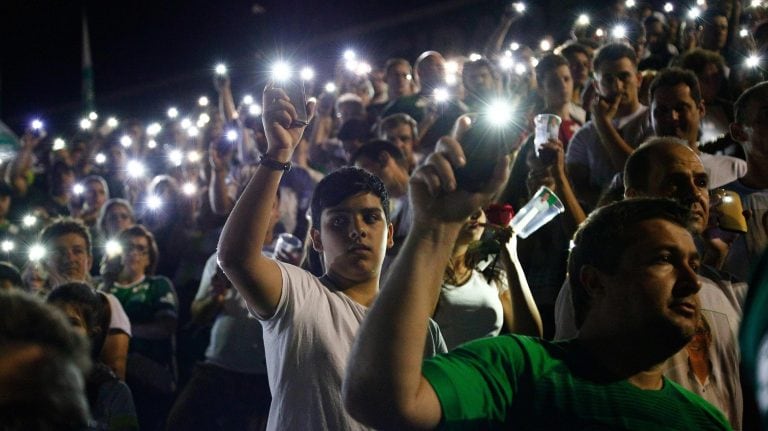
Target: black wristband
(274, 164)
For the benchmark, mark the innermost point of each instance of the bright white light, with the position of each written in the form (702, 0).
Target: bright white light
(451, 67)
(254, 110)
(232, 135)
(582, 20)
(151, 144)
(330, 87)
(514, 46)
(506, 62)
(193, 156)
(78, 189)
(351, 65)
(475, 56)
(307, 74)
(743, 32)
(189, 189)
(112, 122)
(100, 159)
(599, 32)
(499, 113)
(153, 129)
(203, 101)
(154, 202)
(126, 141)
(756, 3)
(176, 157)
(93, 116)
(451, 80)
(668, 7)
(349, 55)
(29, 220)
(247, 99)
(37, 124)
(193, 132)
(441, 95)
(519, 7)
(59, 144)
(520, 69)
(186, 123)
(545, 45)
(534, 62)
(221, 69)
(36, 252)
(86, 124)
(173, 113)
(701, 2)
(204, 118)
(363, 68)
(694, 13)
(619, 32)
(7, 246)
(752, 61)
(727, 199)
(629, 3)
(135, 169)
(281, 71)
(113, 248)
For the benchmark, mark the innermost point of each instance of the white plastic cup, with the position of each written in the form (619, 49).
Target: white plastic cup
(547, 127)
(542, 208)
(289, 246)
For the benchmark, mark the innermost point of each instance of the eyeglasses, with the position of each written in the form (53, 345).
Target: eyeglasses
(140, 249)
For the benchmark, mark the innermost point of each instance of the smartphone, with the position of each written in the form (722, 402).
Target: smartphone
(294, 89)
(731, 211)
(484, 145)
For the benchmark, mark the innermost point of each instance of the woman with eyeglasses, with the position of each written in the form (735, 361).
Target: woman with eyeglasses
(115, 215)
(151, 304)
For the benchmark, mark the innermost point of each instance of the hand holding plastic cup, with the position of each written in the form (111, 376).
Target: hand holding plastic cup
(547, 127)
(288, 248)
(542, 208)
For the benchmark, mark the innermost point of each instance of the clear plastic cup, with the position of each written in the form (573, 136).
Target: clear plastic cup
(547, 127)
(542, 208)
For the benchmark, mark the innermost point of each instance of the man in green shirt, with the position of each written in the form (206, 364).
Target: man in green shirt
(636, 263)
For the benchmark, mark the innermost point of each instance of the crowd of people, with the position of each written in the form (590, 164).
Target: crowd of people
(339, 256)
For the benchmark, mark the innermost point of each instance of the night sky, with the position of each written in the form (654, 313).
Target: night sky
(148, 55)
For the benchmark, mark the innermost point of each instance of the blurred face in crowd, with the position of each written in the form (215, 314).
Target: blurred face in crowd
(710, 81)
(95, 194)
(70, 256)
(619, 79)
(753, 133)
(656, 37)
(473, 228)
(353, 238)
(117, 218)
(431, 72)
(393, 175)
(675, 113)
(557, 87)
(714, 34)
(479, 82)
(402, 137)
(580, 67)
(135, 257)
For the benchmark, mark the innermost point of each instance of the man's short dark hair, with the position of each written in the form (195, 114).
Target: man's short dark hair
(480, 63)
(613, 52)
(697, 59)
(395, 120)
(548, 64)
(10, 272)
(63, 226)
(44, 387)
(741, 108)
(604, 236)
(673, 77)
(570, 49)
(709, 15)
(372, 150)
(92, 306)
(342, 184)
(640, 161)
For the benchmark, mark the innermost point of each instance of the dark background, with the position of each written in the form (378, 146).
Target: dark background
(149, 55)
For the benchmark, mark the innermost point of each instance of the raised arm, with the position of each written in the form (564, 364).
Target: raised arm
(256, 277)
(521, 315)
(389, 348)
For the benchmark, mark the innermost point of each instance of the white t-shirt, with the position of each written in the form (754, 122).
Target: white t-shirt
(470, 311)
(307, 343)
(747, 249)
(721, 307)
(722, 169)
(119, 320)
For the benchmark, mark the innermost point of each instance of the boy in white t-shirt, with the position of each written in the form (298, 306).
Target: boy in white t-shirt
(309, 322)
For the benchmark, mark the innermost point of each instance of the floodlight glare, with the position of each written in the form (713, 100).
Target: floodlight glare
(281, 71)
(499, 113)
(752, 61)
(36, 252)
(135, 169)
(619, 32)
(349, 55)
(694, 13)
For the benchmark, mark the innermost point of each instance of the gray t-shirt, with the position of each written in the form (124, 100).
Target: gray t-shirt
(307, 343)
